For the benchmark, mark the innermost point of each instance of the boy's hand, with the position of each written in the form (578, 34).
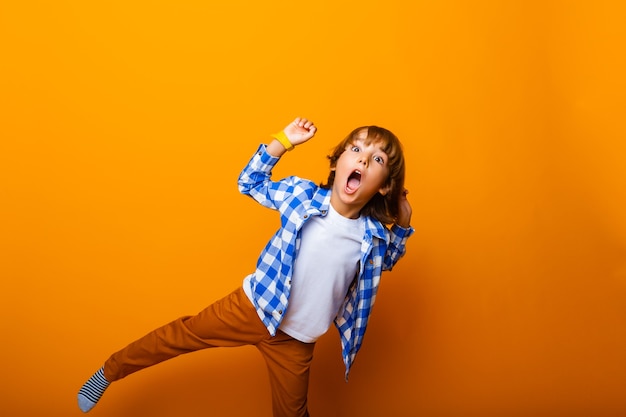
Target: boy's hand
(299, 131)
(404, 210)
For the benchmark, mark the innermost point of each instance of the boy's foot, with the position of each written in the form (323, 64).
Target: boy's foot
(93, 389)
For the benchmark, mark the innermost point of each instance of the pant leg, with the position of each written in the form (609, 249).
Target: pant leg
(230, 321)
(288, 362)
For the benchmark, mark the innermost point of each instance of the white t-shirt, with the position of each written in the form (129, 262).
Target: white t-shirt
(326, 264)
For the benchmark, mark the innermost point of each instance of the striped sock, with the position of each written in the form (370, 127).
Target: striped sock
(91, 392)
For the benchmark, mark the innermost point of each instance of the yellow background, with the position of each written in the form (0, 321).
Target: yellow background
(124, 125)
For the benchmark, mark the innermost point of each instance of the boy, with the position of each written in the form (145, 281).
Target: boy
(322, 265)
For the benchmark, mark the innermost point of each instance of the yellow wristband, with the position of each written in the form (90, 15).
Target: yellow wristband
(282, 138)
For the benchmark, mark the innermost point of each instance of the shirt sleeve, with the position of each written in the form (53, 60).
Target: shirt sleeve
(255, 180)
(398, 237)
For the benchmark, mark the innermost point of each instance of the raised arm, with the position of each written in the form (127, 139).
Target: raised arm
(399, 233)
(255, 179)
(404, 210)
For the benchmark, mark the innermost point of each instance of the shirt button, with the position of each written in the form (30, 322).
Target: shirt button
(280, 311)
(371, 261)
(305, 216)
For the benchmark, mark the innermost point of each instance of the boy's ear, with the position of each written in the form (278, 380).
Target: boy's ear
(384, 190)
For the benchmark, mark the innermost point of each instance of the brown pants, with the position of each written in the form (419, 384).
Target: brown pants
(231, 321)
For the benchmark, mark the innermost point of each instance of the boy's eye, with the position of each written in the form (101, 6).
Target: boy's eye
(379, 159)
(355, 149)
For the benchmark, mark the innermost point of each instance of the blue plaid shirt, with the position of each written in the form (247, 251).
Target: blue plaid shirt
(297, 200)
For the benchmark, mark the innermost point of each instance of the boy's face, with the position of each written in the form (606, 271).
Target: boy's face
(360, 172)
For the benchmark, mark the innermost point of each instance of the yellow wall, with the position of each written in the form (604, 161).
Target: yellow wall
(123, 127)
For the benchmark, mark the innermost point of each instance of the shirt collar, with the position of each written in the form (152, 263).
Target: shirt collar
(375, 227)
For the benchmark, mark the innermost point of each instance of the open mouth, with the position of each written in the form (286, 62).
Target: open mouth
(354, 181)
